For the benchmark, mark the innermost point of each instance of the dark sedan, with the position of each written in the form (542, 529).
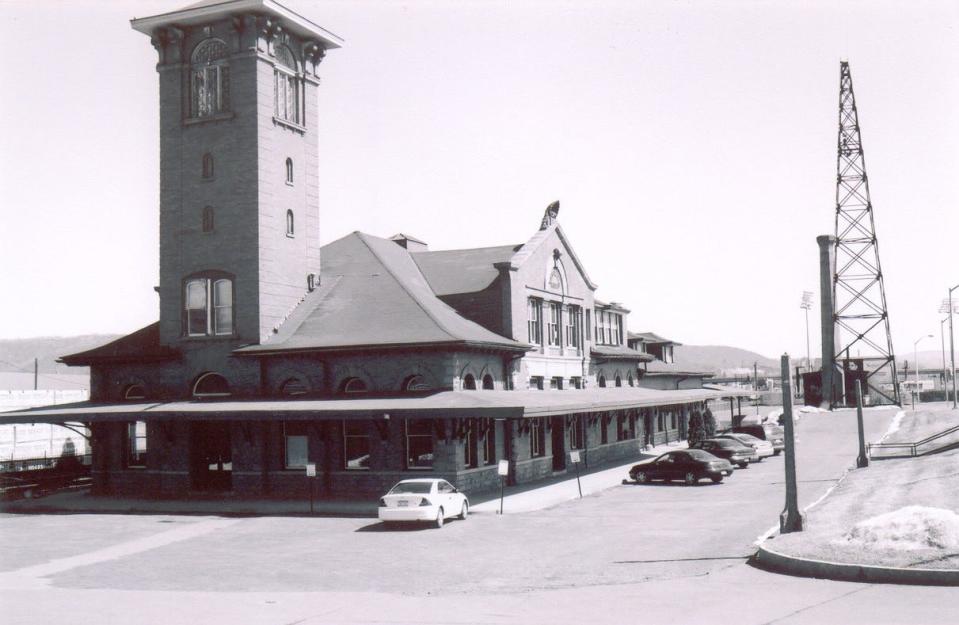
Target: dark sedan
(731, 450)
(688, 465)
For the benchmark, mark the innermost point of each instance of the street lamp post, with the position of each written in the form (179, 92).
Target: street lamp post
(915, 355)
(806, 304)
(945, 373)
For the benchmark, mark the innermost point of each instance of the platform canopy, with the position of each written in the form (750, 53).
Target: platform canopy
(445, 404)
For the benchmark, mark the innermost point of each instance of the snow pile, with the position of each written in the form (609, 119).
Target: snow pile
(809, 409)
(773, 415)
(912, 527)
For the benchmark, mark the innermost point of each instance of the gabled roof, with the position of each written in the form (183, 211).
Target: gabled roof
(139, 346)
(658, 367)
(373, 295)
(651, 337)
(462, 271)
(537, 239)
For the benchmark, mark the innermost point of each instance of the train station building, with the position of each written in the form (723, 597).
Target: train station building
(371, 359)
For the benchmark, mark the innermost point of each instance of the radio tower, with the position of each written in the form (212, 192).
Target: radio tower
(860, 319)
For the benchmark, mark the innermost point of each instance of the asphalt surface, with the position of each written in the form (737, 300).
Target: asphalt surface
(659, 553)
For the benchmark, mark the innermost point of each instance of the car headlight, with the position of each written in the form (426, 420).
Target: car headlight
(425, 502)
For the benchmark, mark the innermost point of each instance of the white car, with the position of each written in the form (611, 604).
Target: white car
(763, 449)
(432, 500)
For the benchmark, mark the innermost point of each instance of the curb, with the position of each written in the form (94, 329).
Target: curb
(776, 562)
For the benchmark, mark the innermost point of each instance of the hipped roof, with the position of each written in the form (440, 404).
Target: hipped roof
(373, 295)
(497, 404)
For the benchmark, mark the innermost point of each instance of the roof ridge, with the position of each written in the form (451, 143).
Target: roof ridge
(362, 236)
(310, 301)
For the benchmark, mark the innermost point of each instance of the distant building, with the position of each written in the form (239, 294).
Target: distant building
(385, 361)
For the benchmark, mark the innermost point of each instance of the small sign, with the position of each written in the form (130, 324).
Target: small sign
(574, 457)
(503, 468)
(311, 470)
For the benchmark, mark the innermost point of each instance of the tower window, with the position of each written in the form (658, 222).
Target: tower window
(289, 171)
(209, 79)
(289, 223)
(208, 166)
(208, 222)
(208, 309)
(286, 86)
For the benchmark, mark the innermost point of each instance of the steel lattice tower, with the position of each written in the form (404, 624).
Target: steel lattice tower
(861, 318)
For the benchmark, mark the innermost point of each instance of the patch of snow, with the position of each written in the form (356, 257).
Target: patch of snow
(894, 425)
(809, 409)
(912, 527)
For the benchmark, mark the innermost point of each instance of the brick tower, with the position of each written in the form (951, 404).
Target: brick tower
(239, 208)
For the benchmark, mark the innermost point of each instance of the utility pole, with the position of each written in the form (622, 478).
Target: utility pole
(806, 304)
(36, 370)
(863, 460)
(860, 314)
(952, 348)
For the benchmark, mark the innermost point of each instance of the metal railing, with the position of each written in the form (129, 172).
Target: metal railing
(913, 448)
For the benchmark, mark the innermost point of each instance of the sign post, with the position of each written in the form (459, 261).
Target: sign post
(502, 469)
(311, 474)
(574, 458)
(791, 519)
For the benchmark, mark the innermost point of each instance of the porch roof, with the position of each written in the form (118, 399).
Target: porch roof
(496, 404)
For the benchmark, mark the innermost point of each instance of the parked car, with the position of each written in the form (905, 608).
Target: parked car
(17, 488)
(428, 499)
(689, 465)
(765, 431)
(764, 449)
(735, 452)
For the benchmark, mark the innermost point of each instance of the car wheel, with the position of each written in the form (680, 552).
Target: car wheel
(777, 452)
(743, 465)
(690, 478)
(465, 511)
(28, 494)
(716, 478)
(642, 477)
(439, 519)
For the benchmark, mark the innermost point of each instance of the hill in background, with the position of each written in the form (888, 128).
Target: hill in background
(717, 358)
(16, 361)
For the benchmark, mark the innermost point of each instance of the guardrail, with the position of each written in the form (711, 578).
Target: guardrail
(913, 448)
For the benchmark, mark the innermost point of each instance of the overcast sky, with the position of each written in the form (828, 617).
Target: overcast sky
(692, 146)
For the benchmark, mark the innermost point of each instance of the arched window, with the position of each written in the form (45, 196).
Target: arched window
(555, 281)
(289, 223)
(209, 79)
(134, 391)
(207, 165)
(601, 381)
(619, 381)
(208, 223)
(417, 383)
(211, 385)
(353, 385)
(287, 86)
(488, 382)
(289, 171)
(293, 386)
(469, 382)
(629, 379)
(208, 306)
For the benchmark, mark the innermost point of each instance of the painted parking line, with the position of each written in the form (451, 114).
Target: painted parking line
(36, 575)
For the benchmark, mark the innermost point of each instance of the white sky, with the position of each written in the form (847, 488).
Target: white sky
(692, 146)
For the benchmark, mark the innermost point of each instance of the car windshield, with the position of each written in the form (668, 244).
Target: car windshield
(411, 487)
(725, 443)
(699, 454)
(749, 438)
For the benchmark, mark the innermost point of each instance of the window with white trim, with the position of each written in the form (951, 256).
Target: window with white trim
(209, 79)
(286, 86)
(534, 320)
(577, 432)
(573, 321)
(537, 438)
(136, 455)
(553, 327)
(208, 307)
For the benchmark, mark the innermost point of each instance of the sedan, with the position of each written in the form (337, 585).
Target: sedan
(735, 452)
(430, 500)
(764, 449)
(16, 488)
(689, 465)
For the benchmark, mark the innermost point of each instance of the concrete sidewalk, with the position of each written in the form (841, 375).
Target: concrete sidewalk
(517, 499)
